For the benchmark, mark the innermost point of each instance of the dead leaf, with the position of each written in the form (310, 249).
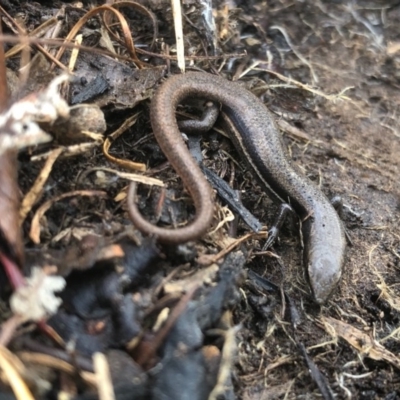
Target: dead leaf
(362, 342)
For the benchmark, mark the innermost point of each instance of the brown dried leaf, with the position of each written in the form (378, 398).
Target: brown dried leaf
(362, 342)
(128, 86)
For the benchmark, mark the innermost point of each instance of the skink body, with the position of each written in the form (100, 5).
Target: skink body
(256, 137)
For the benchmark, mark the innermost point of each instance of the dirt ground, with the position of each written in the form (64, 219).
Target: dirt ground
(331, 71)
(354, 153)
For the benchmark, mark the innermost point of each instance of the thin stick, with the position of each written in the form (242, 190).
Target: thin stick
(180, 49)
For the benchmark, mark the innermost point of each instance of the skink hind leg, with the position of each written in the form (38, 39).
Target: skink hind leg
(275, 228)
(337, 203)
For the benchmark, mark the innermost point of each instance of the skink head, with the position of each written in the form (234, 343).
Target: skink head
(323, 257)
(324, 271)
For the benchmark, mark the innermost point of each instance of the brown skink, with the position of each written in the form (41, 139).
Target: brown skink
(257, 139)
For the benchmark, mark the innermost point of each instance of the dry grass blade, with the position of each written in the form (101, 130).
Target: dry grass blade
(103, 376)
(124, 25)
(66, 45)
(180, 50)
(67, 151)
(142, 10)
(224, 373)
(34, 193)
(74, 53)
(12, 368)
(146, 180)
(69, 45)
(292, 131)
(60, 365)
(207, 259)
(300, 56)
(130, 165)
(37, 32)
(290, 81)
